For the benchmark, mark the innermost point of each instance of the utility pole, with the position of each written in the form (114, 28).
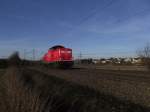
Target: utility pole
(24, 54)
(33, 52)
(80, 57)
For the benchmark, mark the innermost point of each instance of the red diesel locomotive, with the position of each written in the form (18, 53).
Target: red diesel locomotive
(59, 56)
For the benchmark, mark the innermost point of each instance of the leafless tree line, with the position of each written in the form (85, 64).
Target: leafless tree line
(144, 54)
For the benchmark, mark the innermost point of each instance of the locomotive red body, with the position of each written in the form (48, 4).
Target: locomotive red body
(59, 56)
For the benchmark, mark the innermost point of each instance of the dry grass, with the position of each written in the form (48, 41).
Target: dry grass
(17, 98)
(18, 95)
(27, 90)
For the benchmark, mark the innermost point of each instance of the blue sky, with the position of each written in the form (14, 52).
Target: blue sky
(96, 28)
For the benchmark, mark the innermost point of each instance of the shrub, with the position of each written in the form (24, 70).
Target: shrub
(14, 59)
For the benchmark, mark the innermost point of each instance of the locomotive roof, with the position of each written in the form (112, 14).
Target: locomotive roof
(56, 47)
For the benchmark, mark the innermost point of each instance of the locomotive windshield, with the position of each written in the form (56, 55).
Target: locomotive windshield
(56, 47)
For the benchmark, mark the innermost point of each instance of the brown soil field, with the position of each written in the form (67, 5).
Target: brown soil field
(2, 71)
(114, 67)
(125, 85)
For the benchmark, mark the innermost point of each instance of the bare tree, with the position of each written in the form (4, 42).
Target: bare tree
(144, 54)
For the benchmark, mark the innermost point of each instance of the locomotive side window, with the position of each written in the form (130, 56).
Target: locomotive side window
(66, 52)
(62, 51)
(69, 52)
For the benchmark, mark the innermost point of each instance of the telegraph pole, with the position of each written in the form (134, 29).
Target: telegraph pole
(24, 54)
(33, 52)
(80, 57)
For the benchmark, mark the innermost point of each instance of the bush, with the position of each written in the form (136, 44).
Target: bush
(14, 59)
(3, 63)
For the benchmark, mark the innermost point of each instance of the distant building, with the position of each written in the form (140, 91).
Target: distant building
(136, 60)
(103, 61)
(112, 60)
(96, 61)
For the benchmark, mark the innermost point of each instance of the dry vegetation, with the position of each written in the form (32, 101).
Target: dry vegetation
(17, 98)
(25, 89)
